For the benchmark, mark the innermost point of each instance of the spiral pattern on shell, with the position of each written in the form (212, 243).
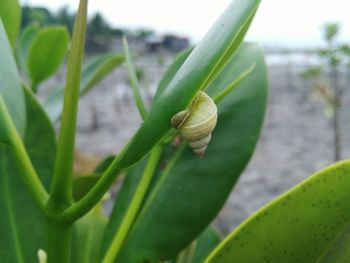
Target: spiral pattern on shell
(197, 122)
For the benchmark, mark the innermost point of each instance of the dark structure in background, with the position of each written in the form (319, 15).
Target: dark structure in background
(168, 42)
(101, 36)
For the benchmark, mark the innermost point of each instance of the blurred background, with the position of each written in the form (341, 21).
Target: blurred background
(307, 48)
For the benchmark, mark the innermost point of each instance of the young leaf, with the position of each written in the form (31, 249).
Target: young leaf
(25, 41)
(299, 226)
(46, 53)
(97, 69)
(10, 14)
(10, 86)
(191, 191)
(21, 222)
(134, 82)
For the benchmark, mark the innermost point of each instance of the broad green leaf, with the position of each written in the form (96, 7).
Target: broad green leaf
(21, 222)
(93, 72)
(10, 86)
(88, 234)
(46, 53)
(192, 190)
(299, 226)
(10, 14)
(203, 64)
(206, 242)
(171, 71)
(24, 44)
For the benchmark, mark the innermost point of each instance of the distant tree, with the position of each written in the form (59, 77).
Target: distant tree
(64, 17)
(334, 57)
(97, 26)
(38, 15)
(99, 34)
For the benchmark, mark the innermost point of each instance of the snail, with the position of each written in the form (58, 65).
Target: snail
(197, 122)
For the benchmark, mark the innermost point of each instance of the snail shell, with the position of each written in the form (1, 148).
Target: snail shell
(197, 122)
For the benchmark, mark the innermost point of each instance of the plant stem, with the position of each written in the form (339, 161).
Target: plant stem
(24, 164)
(134, 206)
(29, 174)
(80, 208)
(59, 242)
(85, 204)
(336, 118)
(61, 188)
(133, 80)
(59, 248)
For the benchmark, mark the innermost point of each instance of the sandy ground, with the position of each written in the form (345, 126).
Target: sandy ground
(296, 139)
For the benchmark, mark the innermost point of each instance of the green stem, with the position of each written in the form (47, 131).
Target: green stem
(134, 206)
(80, 208)
(233, 84)
(29, 174)
(133, 80)
(60, 232)
(59, 248)
(24, 164)
(61, 188)
(85, 204)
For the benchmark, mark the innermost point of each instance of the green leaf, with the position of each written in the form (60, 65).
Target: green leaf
(83, 184)
(10, 14)
(313, 72)
(46, 53)
(103, 165)
(21, 222)
(93, 72)
(339, 252)
(134, 82)
(198, 71)
(25, 41)
(10, 87)
(301, 225)
(171, 71)
(88, 234)
(207, 241)
(191, 190)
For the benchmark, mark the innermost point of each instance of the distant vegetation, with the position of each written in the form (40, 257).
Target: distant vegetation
(334, 59)
(100, 32)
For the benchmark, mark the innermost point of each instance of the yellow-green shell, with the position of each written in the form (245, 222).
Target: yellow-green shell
(197, 123)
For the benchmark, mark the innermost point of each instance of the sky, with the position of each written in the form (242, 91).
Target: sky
(277, 23)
